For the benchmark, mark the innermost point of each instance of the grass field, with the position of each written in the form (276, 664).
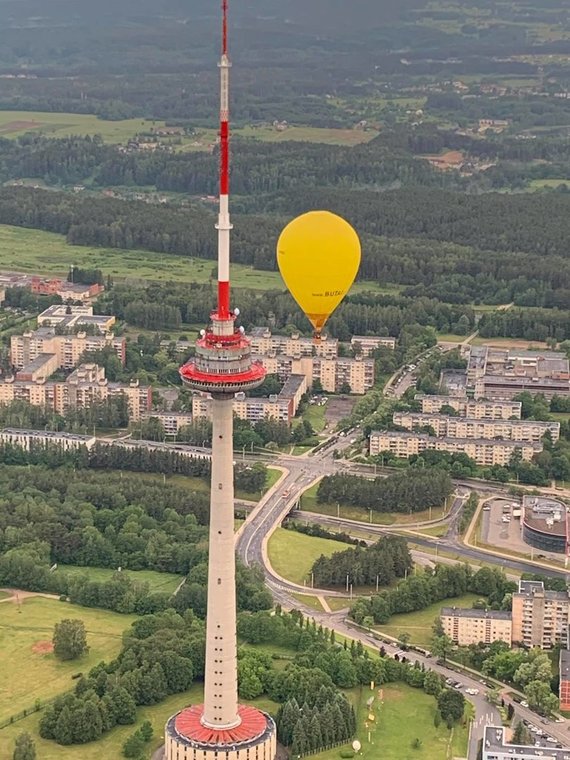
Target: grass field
(337, 603)
(163, 582)
(15, 123)
(309, 134)
(508, 343)
(316, 416)
(560, 416)
(199, 484)
(419, 624)
(25, 675)
(309, 601)
(27, 250)
(110, 745)
(309, 504)
(401, 714)
(292, 554)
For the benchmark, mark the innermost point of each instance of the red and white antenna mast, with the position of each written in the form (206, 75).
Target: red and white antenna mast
(224, 225)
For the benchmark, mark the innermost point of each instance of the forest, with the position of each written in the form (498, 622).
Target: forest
(411, 491)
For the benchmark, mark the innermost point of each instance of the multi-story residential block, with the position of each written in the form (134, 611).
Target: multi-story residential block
(483, 452)
(332, 374)
(496, 747)
(172, 422)
(282, 406)
(367, 344)
(295, 346)
(465, 427)
(475, 408)
(24, 438)
(467, 626)
(71, 318)
(84, 387)
(69, 349)
(540, 617)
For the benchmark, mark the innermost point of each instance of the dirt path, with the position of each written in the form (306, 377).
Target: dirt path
(17, 595)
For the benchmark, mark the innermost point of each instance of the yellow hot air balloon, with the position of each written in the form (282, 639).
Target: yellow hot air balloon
(318, 254)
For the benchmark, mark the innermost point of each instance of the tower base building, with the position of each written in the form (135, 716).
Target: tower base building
(187, 739)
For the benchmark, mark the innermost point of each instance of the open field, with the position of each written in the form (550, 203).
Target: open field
(508, 343)
(309, 504)
(200, 484)
(308, 134)
(160, 582)
(316, 416)
(26, 250)
(292, 554)
(337, 603)
(16, 123)
(401, 714)
(540, 184)
(26, 676)
(419, 624)
(309, 601)
(110, 745)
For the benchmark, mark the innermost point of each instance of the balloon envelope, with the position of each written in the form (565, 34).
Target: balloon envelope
(318, 255)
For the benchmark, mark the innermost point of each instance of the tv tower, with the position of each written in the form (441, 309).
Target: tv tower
(222, 366)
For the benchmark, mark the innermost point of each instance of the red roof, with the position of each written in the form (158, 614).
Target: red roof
(253, 724)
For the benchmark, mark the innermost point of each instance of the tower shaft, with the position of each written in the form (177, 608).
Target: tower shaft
(220, 696)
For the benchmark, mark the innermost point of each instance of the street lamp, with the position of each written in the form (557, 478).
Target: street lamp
(347, 581)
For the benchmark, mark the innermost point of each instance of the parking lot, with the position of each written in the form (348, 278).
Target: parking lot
(499, 528)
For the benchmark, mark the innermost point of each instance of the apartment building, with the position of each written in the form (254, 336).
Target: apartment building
(264, 342)
(465, 427)
(25, 438)
(332, 374)
(84, 387)
(68, 348)
(540, 617)
(282, 406)
(496, 747)
(467, 626)
(474, 408)
(482, 451)
(367, 344)
(172, 422)
(71, 318)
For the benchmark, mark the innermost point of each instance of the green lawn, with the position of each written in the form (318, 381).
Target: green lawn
(309, 504)
(27, 250)
(560, 416)
(309, 601)
(401, 714)
(316, 416)
(110, 745)
(15, 123)
(419, 624)
(26, 675)
(337, 603)
(167, 582)
(450, 338)
(199, 484)
(308, 134)
(292, 554)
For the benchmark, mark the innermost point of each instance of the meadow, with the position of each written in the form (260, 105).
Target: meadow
(158, 582)
(45, 253)
(400, 714)
(27, 674)
(292, 554)
(16, 123)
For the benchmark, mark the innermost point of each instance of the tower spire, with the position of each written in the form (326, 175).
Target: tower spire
(224, 225)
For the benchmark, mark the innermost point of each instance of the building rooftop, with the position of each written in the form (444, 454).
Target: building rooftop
(47, 434)
(37, 363)
(494, 741)
(518, 380)
(476, 421)
(466, 612)
(528, 588)
(477, 441)
(544, 514)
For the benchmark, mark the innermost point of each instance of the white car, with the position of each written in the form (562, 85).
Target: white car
(524, 704)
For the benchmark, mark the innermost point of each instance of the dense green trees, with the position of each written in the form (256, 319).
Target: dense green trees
(383, 562)
(70, 639)
(25, 748)
(412, 491)
(422, 589)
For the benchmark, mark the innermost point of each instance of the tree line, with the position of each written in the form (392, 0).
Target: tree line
(381, 563)
(422, 589)
(412, 491)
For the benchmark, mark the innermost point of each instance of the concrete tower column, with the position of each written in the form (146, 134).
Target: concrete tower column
(220, 697)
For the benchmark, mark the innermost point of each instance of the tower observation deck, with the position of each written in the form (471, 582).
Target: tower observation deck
(222, 366)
